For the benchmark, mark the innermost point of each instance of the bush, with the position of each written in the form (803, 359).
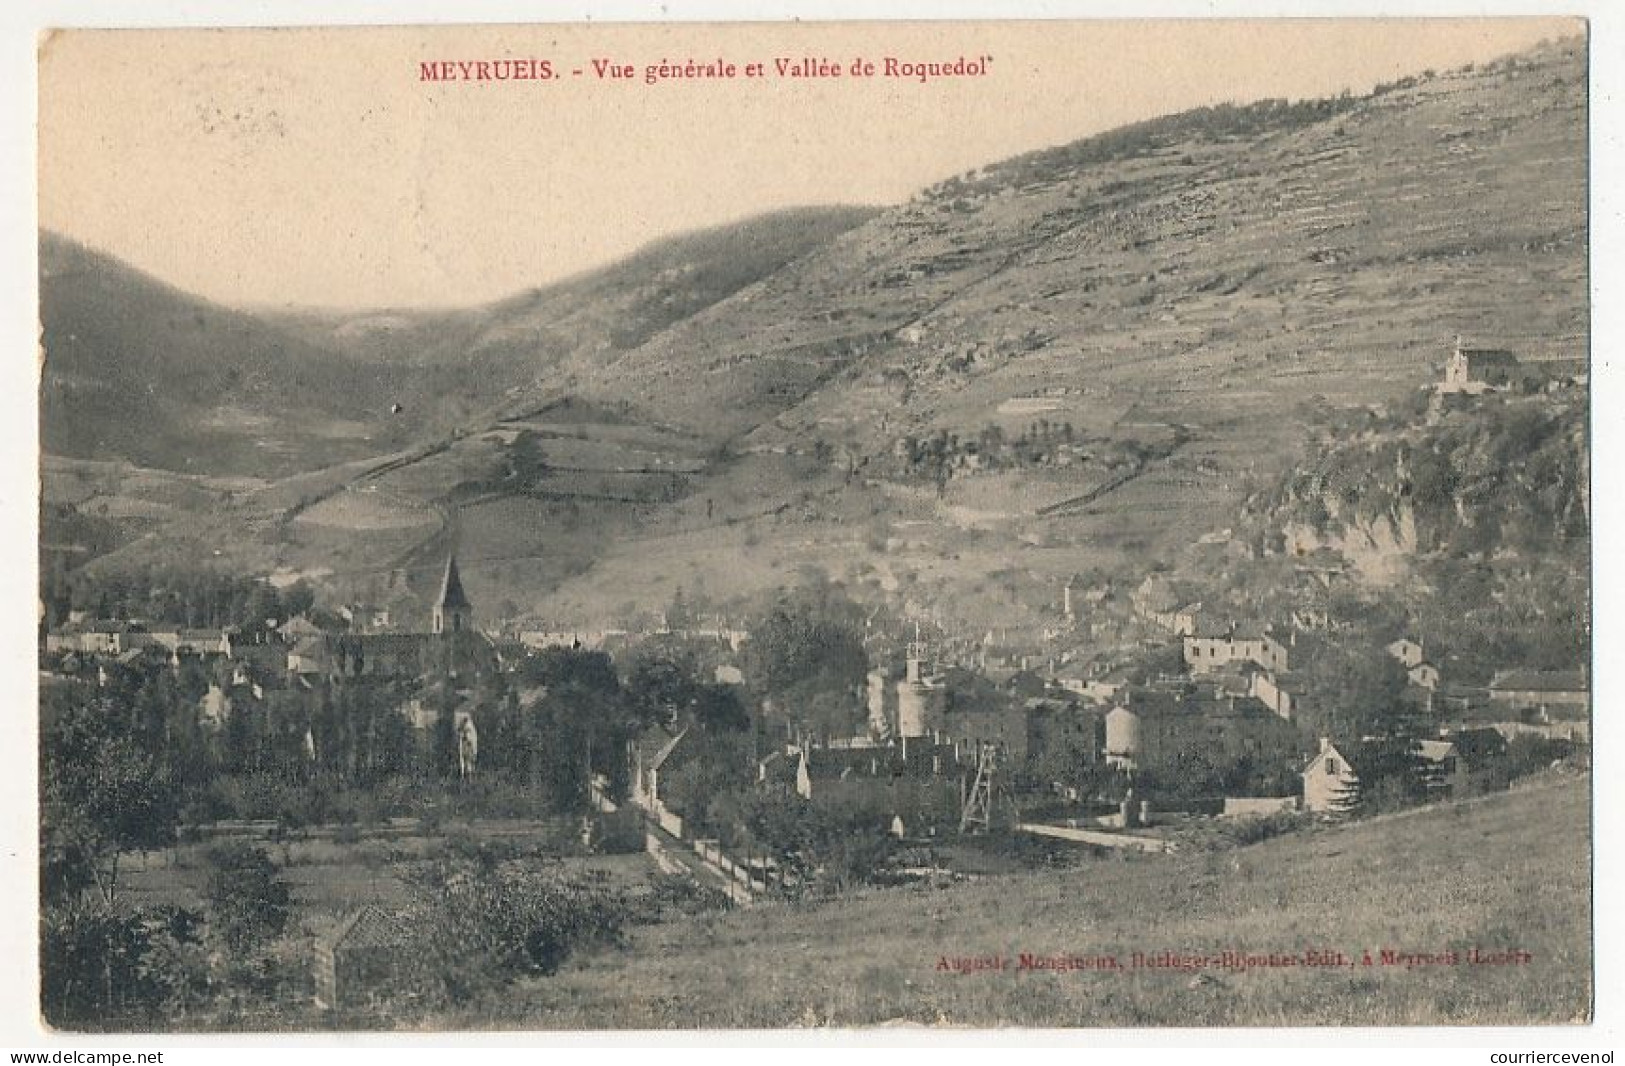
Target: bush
(1253, 830)
(620, 833)
(101, 970)
(481, 925)
(248, 903)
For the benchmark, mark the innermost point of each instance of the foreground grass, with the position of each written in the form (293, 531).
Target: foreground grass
(1506, 873)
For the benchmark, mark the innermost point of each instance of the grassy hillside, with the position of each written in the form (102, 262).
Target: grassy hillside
(1507, 873)
(1242, 274)
(136, 370)
(457, 365)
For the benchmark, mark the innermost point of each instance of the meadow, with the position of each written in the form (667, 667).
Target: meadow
(1507, 876)
(332, 870)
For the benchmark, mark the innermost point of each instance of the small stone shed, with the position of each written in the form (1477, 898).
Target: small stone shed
(363, 956)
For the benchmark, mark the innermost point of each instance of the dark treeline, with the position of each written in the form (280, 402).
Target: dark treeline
(193, 598)
(141, 759)
(347, 749)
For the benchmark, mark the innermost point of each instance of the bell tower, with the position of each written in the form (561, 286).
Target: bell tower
(452, 611)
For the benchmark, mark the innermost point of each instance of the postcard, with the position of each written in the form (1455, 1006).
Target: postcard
(1055, 524)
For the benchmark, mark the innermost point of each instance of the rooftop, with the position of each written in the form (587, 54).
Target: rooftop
(1540, 681)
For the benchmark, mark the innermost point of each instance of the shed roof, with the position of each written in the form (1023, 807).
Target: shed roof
(1540, 681)
(655, 746)
(369, 927)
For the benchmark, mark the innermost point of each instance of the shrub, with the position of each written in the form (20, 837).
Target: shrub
(248, 903)
(481, 925)
(102, 970)
(620, 833)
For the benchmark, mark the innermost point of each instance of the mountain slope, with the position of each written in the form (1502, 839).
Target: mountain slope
(1327, 247)
(1187, 304)
(138, 370)
(532, 345)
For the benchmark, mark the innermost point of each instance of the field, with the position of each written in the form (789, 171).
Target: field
(362, 511)
(329, 876)
(1504, 875)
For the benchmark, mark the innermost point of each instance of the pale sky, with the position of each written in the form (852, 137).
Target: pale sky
(314, 167)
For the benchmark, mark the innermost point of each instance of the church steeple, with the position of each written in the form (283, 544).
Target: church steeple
(452, 611)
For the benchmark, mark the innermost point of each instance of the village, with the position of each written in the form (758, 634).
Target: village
(1232, 701)
(812, 744)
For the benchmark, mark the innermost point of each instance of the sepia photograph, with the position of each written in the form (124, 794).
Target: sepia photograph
(1080, 524)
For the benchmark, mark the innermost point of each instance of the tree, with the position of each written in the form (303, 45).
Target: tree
(806, 655)
(101, 795)
(100, 969)
(718, 708)
(1357, 692)
(248, 903)
(662, 681)
(704, 767)
(1392, 775)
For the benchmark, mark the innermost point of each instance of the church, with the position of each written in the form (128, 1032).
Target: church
(453, 648)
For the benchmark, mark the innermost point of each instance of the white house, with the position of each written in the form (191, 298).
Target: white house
(1407, 651)
(1213, 647)
(1424, 675)
(1329, 781)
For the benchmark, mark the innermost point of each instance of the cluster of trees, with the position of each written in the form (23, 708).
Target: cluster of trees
(1040, 444)
(107, 965)
(343, 751)
(335, 732)
(306, 753)
(130, 768)
(181, 596)
(937, 454)
(807, 663)
(828, 847)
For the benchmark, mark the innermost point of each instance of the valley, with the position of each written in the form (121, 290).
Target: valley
(1237, 275)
